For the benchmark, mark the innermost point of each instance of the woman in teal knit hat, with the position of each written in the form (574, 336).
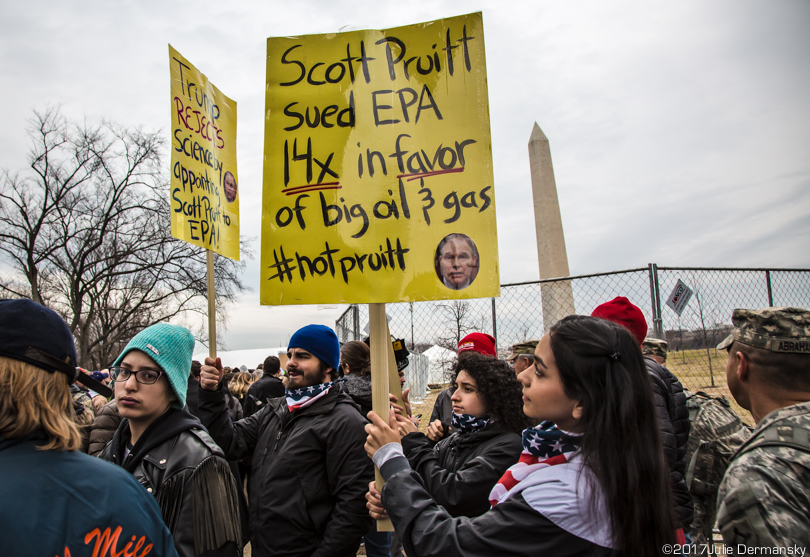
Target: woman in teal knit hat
(167, 449)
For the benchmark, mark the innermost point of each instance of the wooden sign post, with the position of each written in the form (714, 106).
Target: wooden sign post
(380, 341)
(212, 306)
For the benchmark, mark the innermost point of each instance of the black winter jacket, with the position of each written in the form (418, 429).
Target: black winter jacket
(460, 471)
(673, 422)
(443, 408)
(310, 473)
(359, 388)
(260, 392)
(178, 462)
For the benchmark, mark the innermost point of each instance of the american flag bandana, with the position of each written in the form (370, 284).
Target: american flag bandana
(303, 397)
(465, 423)
(543, 446)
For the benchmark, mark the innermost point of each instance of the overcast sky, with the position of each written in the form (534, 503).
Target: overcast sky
(680, 131)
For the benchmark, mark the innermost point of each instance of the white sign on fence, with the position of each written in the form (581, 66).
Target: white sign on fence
(679, 297)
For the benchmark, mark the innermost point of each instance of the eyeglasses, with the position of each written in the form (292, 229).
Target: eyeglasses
(143, 376)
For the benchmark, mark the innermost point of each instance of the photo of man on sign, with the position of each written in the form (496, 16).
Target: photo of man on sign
(229, 183)
(457, 261)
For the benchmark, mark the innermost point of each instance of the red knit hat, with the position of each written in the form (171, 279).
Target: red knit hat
(620, 310)
(480, 342)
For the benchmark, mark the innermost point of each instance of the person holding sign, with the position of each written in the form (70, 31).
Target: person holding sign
(591, 480)
(457, 261)
(167, 450)
(442, 414)
(309, 470)
(460, 470)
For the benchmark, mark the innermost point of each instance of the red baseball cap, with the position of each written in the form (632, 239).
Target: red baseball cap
(479, 342)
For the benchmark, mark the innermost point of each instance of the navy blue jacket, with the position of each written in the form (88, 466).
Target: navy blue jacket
(68, 503)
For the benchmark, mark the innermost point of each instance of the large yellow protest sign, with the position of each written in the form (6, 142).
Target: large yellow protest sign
(378, 179)
(204, 180)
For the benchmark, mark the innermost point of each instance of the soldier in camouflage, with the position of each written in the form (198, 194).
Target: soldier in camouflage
(655, 349)
(764, 499)
(522, 355)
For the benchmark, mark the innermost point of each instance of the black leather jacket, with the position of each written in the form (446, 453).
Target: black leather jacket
(460, 471)
(177, 461)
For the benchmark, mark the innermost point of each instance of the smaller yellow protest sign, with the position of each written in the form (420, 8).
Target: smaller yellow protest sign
(204, 181)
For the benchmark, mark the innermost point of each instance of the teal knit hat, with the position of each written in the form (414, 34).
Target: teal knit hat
(170, 346)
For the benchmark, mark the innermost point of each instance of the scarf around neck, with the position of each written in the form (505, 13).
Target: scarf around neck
(305, 396)
(543, 446)
(465, 423)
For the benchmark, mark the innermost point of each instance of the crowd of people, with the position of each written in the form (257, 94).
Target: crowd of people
(577, 443)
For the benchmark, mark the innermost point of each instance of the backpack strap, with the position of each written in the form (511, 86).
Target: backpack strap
(769, 437)
(703, 445)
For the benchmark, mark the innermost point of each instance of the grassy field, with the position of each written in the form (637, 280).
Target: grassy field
(691, 367)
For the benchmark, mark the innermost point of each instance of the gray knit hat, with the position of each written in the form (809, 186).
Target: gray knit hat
(170, 346)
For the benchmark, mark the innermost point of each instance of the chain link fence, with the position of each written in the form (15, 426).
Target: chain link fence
(526, 310)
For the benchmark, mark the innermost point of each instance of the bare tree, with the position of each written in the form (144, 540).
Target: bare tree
(458, 314)
(708, 325)
(523, 333)
(86, 226)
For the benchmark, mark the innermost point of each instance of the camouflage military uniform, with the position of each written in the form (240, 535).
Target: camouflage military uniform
(716, 434)
(764, 499)
(522, 349)
(654, 347)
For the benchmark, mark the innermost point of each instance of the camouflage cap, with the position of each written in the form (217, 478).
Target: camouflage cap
(774, 329)
(522, 348)
(655, 347)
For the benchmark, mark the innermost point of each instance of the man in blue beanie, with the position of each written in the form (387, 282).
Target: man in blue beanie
(310, 471)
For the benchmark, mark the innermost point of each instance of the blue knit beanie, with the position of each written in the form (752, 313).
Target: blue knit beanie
(170, 346)
(320, 341)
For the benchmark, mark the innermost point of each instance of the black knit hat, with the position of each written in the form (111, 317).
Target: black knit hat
(36, 335)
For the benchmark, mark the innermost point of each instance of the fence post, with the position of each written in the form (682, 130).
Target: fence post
(655, 302)
(356, 315)
(412, 341)
(494, 325)
(770, 292)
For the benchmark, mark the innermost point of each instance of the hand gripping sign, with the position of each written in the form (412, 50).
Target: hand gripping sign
(378, 182)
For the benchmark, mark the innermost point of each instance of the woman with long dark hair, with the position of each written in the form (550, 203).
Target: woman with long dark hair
(591, 479)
